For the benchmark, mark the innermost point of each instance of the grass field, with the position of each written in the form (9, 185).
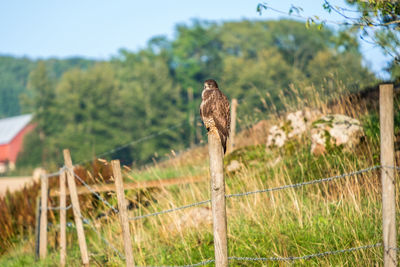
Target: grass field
(330, 216)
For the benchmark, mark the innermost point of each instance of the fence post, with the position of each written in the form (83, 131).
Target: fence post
(44, 181)
(387, 174)
(233, 125)
(75, 207)
(218, 198)
(63, 219)
(123, 214)
(37, 228)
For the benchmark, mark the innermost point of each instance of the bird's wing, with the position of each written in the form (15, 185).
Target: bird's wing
(221, 114)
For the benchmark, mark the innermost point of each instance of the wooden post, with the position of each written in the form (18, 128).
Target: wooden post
(44, 180)
(233, 125)
(63, 219)
(387, 174)
(218, 198)
(76, 208)
(37, 228)
(123, 214)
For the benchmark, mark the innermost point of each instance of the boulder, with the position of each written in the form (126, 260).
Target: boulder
(333, 131)
(295, 124)
(276, 137)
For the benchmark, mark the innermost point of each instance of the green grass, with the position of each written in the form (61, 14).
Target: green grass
(330, 216)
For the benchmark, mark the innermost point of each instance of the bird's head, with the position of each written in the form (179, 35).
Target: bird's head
(210, 84)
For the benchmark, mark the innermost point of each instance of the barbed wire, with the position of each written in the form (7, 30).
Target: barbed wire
(140, 140)
(285, 259)
(88, 222)
(228, 196)
(304, 183)
(59, 208)
(392, 167)
(53, 174)
(94, 192)
(170, 210)
(306, 257)
(259, 191)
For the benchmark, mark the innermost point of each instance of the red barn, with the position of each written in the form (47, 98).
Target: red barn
(12, 132)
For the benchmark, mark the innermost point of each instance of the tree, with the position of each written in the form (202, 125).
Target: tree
(152, 102)
(42, 102)
(14, 73)
(376, 21)
(88, 111)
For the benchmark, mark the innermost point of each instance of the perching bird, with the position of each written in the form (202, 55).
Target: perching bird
(214, 110)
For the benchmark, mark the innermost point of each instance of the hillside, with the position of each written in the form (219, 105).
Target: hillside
(344, 213)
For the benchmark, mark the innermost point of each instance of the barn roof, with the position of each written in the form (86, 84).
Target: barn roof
(10, 127)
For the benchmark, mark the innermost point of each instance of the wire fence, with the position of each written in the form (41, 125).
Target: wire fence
(323, 180)
(293, 258)
(234, 258)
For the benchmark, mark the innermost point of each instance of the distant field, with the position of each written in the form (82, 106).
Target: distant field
(13, 183)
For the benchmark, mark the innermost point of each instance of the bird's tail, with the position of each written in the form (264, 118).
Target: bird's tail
(223, 139)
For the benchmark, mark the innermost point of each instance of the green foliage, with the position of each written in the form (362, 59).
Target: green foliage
(14, 76)
(378, 22)
(94, 108)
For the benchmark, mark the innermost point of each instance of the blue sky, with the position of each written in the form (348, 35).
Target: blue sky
(98, 28)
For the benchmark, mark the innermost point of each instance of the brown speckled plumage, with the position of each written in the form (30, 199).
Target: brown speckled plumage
(214, 110)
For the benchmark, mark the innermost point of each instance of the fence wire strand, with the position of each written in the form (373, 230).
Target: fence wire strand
(59, 208)
(232, 258)
(304, 183)
(259, 191)
(306, 257)
(142, 139)
(88, 223)
(94, 192)
(170, 210)
(285, 259)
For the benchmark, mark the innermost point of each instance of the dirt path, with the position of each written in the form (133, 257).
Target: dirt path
(13, 183)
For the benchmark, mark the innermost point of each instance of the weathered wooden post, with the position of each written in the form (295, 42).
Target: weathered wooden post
(75, 207)
(387, 174)
(63, 219)
(44, 181)
(37, 228)
(218, 198)
(123, 214)
(232, 134)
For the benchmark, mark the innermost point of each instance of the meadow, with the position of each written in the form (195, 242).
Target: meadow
(335, 215)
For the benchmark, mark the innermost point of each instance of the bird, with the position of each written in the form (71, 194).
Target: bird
(214, 111)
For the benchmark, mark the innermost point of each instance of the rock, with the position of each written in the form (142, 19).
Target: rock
(192, 218)
(295, 124)
(233, 166)
(335, 130)
(276, 137)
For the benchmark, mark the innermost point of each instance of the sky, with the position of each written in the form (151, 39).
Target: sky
(97, 29)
